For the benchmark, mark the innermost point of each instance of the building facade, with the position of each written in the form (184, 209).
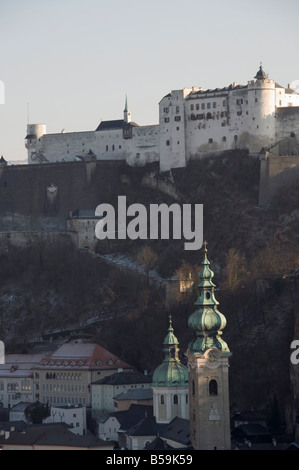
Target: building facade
(105, 390)
(193, 123)
(16, 379)
(74, 416)
(64, 377)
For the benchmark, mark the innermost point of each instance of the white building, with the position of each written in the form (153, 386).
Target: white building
(104, 391)
(16, 378)
(73, 415)
(18, 412)
(193, 123)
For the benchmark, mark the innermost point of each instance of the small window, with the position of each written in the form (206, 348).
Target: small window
(214, 104)
(223, 139)
(175, 399)
(213, 387)
(162, 400)
(210, 141)
(167, 142)
(209, 105)
(203, 106)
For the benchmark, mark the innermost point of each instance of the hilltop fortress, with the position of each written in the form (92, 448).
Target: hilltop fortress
(193, 123)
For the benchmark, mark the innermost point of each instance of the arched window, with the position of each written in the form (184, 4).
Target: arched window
(162, 400)
(213, 387)
(175, 400)
(193, 387)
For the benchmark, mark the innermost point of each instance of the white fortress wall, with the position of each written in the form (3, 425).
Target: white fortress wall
(61, 147)
(143, 147)
(109, 145)
(193, 123)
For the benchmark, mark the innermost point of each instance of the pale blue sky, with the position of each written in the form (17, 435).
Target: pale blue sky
(74, 61)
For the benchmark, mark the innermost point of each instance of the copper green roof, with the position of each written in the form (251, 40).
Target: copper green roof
(207, 322)
(171, 373)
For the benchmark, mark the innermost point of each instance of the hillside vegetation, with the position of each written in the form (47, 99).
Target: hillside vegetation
(55, 286)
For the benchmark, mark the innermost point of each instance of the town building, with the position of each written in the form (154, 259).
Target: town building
(138, 396)
(103, 391)
(64, 376)
(16, 379)
(193, 123)
(49, 437)
(73, 415)
(19, 412)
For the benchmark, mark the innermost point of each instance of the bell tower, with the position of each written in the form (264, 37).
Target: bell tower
(208, 367)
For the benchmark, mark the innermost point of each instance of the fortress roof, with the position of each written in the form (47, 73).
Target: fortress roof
(115, 124)
(194, 94)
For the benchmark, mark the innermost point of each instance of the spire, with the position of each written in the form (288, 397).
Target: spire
(126, 105)
(127, 114)
(207, 322)
(170, 344)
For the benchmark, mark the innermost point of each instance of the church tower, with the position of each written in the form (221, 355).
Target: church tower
(208, 366)
(170, 383)
(127, 113)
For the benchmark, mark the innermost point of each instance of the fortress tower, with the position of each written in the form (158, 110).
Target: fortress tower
(261, 107)
(208, 366)
(170, 383)
(34, 134)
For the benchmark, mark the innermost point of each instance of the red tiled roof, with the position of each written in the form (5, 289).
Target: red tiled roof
(83, 356)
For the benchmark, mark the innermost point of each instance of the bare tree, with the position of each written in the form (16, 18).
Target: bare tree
(148, 259)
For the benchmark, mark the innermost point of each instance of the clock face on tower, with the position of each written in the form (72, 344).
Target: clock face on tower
(212, 356)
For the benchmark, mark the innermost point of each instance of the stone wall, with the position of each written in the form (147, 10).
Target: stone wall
(27, 239)
(49, 192)
(276, 172)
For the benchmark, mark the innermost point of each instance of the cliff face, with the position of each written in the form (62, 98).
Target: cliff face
(261, 371)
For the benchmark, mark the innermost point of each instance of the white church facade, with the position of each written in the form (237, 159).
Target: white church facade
(193, 123)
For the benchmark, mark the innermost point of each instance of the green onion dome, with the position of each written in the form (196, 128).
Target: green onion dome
(171, 373)
(207, 322)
